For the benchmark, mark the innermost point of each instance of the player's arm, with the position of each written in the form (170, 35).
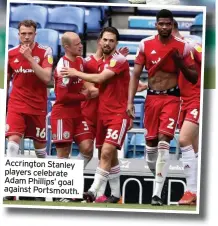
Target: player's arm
(134, 79)
(95, 78)
(186, 64)
(133, 86)
(42, 72)
(94, 92)
(63, 94)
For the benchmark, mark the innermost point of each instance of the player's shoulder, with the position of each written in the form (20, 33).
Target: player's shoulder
(43, 47)
(13, 50)
(46, 49)
(148, 39)
(89, 58)
(179, 40)
(79, 59)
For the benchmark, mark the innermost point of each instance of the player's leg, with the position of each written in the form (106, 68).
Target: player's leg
(168, 121)
(62, 135)
(151, 122)
(15, 129)
(100, 197)
(118, 126)
(36, 131)
(115, 134)
(103, 170)
(114, 180)
(161, 169)
(84, 138)
(187, 136)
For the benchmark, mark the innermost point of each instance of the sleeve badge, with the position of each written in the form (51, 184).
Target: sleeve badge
(50, 59)
(113, 62)
(198, 48)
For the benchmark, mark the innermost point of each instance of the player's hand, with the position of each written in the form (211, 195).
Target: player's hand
(142, 86)
(130, 124)
(131, 111)
(124, 51)
(26, 51)
(86, 93)
(177, 57)
(68, 72)
(94, 92)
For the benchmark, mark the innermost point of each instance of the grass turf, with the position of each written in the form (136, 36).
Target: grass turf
(103, 205)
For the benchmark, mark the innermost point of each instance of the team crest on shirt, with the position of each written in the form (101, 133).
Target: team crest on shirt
(37, 59)
(113, 62)
(66, 135)
(65, 81)
(50, 59)
(7, 127)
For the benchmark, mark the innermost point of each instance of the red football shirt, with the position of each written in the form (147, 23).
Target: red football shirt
(191, 92)
(89, 106)
(67, 90)
(151, 50)
(113, 93)
(29, 93)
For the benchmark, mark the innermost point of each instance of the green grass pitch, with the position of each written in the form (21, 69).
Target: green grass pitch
(104, 205)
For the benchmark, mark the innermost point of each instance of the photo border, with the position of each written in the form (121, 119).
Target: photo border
(154, 7)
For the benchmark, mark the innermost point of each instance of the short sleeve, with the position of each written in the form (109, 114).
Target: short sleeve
(188, 55)
(140, 55)
(117, 64)
(198, 53)
(48, 58)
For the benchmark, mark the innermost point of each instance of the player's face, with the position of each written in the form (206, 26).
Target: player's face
(27, 35)
(108, 42)
(76, 47)
(164, 27)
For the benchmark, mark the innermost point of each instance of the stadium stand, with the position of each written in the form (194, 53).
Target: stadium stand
(13, 37)
(196, 28)
(48, 37)
(148, 22)
(23, 12)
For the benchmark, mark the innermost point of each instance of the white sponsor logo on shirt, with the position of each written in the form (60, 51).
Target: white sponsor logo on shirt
(156, 61)
(22, 70)
(153, 52)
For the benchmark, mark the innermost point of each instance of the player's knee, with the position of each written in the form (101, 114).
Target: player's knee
(163, 137)
(184, 141)
(63, 150)
(86, 148)
(106, 154)
(14, 138)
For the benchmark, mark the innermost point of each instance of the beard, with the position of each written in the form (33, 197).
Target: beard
(107, 51)
(165, 34)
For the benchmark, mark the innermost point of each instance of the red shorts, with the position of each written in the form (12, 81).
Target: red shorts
(29, 126)
(67, 130)
(112, 131)
(191, 114)
(161, 115)
(92, 127)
